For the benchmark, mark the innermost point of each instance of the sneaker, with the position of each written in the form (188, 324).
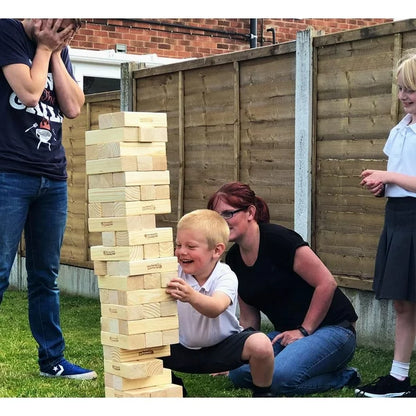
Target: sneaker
(386, 386)
(66, 369)
(355, 379)
(410, 393)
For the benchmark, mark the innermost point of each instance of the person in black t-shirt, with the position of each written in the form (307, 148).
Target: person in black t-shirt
(279, 275)
(37, 90)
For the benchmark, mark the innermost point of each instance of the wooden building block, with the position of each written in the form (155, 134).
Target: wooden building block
(101, 180)
(170, 336)
(111, 164)
(125, 223)
(134, 297)
(144, 133)
(134, 369)
(128, 342)
(117, 253)
(123, 193)
(140, 326)
(109, 310)
(149, 192)
(142, 311)
(146, 236)
(167, 276)
(154, 339)
(132, 119)
(100, 268)
(123, 268)
(150, 162)
(122, 355)
(122, 283)
(141, 178)
(165, 390)
(121, 383)
(131, 208)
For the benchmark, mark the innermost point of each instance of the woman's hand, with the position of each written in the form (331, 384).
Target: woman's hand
(287, 337)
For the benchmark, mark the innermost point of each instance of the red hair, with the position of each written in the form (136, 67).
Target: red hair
(240, 195)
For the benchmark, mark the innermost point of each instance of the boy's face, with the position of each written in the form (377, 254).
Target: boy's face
(194, 255)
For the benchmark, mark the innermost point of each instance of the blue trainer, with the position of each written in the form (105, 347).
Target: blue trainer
(67, 370)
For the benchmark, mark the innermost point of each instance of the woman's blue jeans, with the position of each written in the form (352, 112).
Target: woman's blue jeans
(313, 364)
(38, 206)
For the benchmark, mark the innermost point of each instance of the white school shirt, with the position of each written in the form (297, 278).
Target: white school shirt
(196, 330)
(401, 151)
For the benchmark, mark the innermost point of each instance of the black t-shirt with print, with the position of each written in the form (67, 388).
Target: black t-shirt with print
(30, 137)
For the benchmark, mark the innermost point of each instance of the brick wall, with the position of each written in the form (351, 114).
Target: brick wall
(196, 38)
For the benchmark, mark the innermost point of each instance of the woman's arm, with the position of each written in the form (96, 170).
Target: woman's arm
(249, 315)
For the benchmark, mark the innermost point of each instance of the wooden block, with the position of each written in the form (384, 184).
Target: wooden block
(170, 336)
(144, 133)
(120, 383)
(152, 281)
(131, 208)
(134, 297)
(125, 193)
(123, 268)
(165, 390)
(128, 342)
(149, 192)
(141, 178)
(100, 268)
(166, 277)
(117, 253)
(122, 283)
(118, 354)
(108, 239)
(157, 162)
(131, 119)
(147, 236)
(114, 164)
(134, 369)
(143, 311)
(151, 251)
(122, 312)
(169, 307)
(140, 326)
(125, 223)
(154, 339)
(166, 249)
(101, 180)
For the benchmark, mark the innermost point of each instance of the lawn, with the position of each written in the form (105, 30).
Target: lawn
(80, 320)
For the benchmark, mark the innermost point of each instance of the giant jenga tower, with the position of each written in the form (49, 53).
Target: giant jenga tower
(128, 185)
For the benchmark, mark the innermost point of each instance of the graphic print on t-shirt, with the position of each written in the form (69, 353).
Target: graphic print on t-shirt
(46, 111)
(43, 132)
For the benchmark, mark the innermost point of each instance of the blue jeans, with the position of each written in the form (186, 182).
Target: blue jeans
(38, 206)
(313, 364)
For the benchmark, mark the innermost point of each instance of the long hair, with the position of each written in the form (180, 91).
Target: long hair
(240, 195)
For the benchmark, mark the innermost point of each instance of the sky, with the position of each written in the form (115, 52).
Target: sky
(211, 8)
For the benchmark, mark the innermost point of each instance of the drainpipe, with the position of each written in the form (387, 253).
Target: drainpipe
(253, 33)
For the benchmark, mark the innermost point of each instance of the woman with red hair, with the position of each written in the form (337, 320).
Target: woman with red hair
(280, 276)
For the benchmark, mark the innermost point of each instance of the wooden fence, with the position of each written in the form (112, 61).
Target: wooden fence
(232, 117)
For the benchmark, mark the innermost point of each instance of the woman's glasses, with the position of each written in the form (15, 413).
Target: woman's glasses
(229, 214)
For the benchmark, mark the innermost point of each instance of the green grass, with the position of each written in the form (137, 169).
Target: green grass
(80, 320)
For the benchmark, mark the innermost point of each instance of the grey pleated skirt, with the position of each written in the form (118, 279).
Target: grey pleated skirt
(395, 268)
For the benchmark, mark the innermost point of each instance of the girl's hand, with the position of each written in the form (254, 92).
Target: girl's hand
(373, 181)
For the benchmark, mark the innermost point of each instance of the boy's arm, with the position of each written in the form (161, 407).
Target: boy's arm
(210, 306)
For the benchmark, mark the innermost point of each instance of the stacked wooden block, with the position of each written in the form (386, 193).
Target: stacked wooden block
(128, 185)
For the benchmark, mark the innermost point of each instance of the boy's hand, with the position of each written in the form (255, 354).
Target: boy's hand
(179, 289)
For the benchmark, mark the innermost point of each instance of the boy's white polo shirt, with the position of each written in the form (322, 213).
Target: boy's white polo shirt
(197, 330)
